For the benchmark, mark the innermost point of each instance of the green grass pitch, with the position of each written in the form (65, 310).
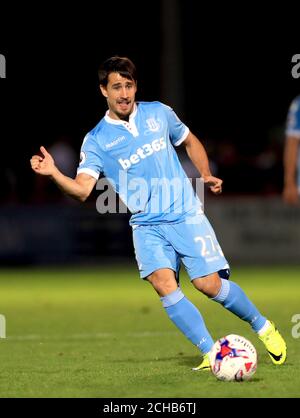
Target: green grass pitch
(103, 333)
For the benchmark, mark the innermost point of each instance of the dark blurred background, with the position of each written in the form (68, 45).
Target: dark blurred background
(227, 74)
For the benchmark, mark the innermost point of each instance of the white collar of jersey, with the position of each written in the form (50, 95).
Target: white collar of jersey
(119, 121)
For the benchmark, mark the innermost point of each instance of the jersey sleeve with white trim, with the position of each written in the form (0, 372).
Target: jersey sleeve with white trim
(293, 119)
(178, 130)
(90, 158)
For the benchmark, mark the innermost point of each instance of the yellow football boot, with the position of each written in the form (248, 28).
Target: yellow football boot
(204, 365)
(274, 344)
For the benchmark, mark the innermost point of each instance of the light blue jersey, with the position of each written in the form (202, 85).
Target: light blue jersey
(139, 160)
(293, 127)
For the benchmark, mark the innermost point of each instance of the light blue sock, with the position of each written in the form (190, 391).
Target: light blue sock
(233, 298)
(188, 319)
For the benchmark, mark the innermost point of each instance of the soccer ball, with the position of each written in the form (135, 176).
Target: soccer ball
(233, 358)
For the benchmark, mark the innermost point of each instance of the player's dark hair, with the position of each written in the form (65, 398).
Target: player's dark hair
(122, 65)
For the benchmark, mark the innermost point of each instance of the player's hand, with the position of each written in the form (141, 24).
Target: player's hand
(290, 194)
(43, 165)
(213, 183)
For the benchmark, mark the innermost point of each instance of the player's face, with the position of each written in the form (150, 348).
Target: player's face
(120, 94)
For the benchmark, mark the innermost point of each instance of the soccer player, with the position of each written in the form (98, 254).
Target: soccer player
(291, 162)
(133, 145)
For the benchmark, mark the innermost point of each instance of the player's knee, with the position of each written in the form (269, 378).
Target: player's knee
(209, 285)
(163, 281)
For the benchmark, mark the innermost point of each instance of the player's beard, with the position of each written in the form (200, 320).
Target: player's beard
(128, 108)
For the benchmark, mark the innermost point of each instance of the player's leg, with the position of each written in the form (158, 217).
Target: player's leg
(159, 263)
(180, 309)
(232, 297)
(205, 263)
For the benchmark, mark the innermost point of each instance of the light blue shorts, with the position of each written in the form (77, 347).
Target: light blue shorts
(193, 244)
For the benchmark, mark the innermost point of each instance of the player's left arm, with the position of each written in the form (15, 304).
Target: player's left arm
(198, 156)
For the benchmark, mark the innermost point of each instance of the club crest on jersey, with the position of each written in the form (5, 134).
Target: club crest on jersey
(154, 125)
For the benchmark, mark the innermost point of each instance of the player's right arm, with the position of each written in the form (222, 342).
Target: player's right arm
(78, 188)
(290, 155)
(290, 189)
